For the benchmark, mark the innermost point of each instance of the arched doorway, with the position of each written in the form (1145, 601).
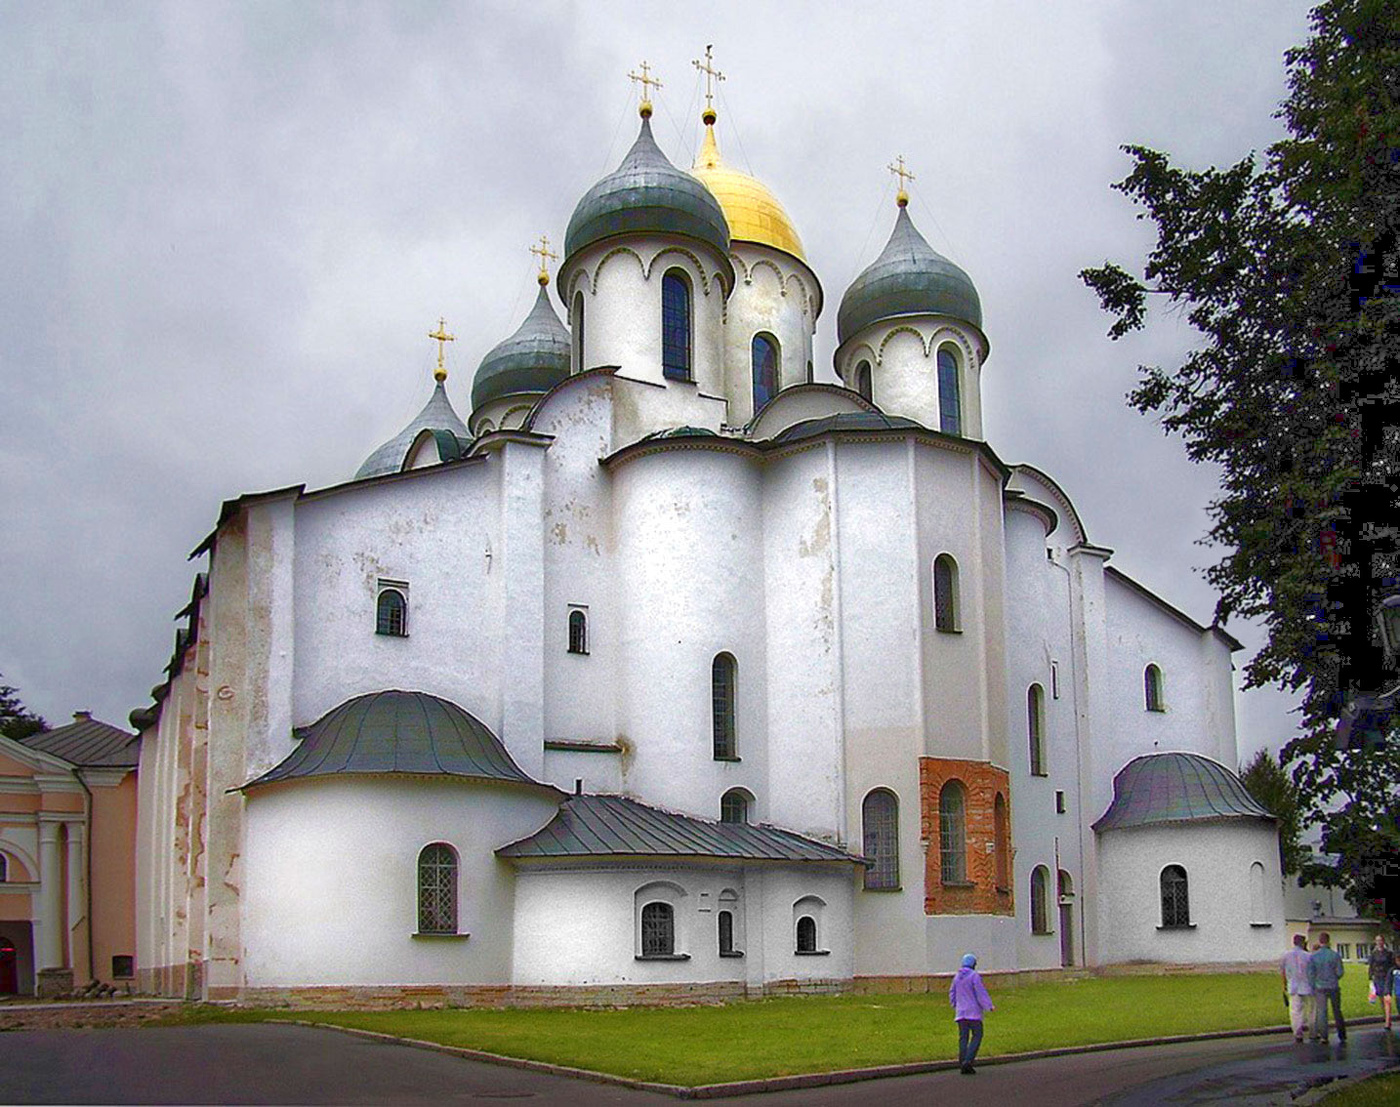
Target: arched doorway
(9, 968)
(1066, 920)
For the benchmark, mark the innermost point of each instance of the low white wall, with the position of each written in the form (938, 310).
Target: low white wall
(1217, 858)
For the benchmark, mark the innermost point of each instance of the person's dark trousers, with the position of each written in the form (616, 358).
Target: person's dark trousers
(1321, 998)
(969, 1041)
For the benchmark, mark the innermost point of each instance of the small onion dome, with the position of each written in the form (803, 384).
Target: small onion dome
(751, 210)
(1176, 788)
(908, 278)
(436, 415)
(646, 194)
(531, 361)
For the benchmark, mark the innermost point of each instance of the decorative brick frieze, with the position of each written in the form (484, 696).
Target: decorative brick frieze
(981, 893)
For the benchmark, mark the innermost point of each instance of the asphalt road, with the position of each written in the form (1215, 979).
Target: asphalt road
(264, 1063)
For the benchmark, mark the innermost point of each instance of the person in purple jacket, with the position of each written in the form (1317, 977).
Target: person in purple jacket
(968, 997)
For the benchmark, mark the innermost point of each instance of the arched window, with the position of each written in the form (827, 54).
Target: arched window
(1035, 727)
(952, 833)
(1176, 904)
(1152, 688)
(863, 384)
(4, 868)
(437, 889)
(765, 369)
(949, 395)
(658, 930)
(809, 371)
(1040, 906)
(392, 613)
(723, 677)
(730, 934)
(726, 933)
(1066, 883)
(1001, 830)
(578, 631)
(879, 816)
(578, 332)
(806, 934)
(734, 806)
(1257, 912)
(946, 614)
(675, 326)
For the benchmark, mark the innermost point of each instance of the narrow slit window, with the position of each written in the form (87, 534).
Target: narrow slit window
(1035, 727)
(949, 395)
(765, 370)
(726, 932)
(1040, 894)
(578, 332)
(578, 631)
(723, 676)
(946, 616)
(1152, 688)
(952, 834)
(880, 824)
(675, 326)
(1001, 828)
(863, 382)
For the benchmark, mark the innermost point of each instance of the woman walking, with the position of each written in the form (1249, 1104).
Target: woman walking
(1379, 967)
(968, 997)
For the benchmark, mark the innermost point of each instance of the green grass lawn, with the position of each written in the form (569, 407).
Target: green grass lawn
(778, 1037)
(1378, 1091)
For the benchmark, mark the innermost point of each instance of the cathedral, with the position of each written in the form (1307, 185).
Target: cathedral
(670, 673)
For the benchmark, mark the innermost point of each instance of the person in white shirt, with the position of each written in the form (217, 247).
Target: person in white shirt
(1296, 989)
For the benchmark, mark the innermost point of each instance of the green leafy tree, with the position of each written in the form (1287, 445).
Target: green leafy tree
(1273, 789)
(17, 721)
(1288, 267)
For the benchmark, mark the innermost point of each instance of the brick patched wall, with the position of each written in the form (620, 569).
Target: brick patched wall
(982, 782)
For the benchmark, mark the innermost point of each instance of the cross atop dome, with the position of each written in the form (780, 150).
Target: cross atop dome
(545, 254)
(712, 75)
(899, 170)
(647, 81)
(440, 374)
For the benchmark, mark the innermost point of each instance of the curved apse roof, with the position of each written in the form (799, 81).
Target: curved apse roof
(437, 414)
(1176, 788)
(397, 732)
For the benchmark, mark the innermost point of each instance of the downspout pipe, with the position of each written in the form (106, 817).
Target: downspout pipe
(87, 865)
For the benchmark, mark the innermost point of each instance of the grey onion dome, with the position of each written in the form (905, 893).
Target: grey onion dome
(532, 360)
(909, 278)
(646, 194)
(1176, 788)
(437, 415)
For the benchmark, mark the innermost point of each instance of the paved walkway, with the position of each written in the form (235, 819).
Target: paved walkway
(264, 1063)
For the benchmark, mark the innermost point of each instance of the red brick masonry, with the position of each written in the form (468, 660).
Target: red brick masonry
(982, 783)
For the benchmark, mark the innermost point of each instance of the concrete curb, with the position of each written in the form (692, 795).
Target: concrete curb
(802, 1080)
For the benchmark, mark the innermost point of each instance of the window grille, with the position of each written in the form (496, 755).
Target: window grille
(880, 819)
(392, 614)
(722, 689)
(1176, 907)
(806, 934)
(1152, 688)
(1035, 726)
(675, 326)
(863, 385)
(578, 632)
(658, 930)
(733, 807)
(1001, 846)
(765, 370)
(1040, 907)
(949, 398)
(726, 931)
(437, 890)
(952, 834)
(945, 593)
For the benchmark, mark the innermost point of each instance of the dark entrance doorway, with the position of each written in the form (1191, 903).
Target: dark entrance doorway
(9, 968)
(1066, 920)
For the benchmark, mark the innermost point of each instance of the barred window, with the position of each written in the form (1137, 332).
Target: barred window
(765, 369)
(806, 934)
(949, 396)
(880, 820)
(1035, 727)
(734, 806)
(952, 833)
(578, 631)
(1040, 900)
(1176, 906)
(437, 889)
(945, 594)
(392, 613)
(658, 930)
(675, 326)
(723, 677)
(726, 932)
(1152, 688)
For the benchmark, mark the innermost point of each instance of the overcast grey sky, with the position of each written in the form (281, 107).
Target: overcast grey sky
(227, 229)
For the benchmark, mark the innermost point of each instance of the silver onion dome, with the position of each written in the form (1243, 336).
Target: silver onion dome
(531, 361)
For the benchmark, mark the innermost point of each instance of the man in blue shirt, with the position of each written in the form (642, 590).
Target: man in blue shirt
(1325, 971)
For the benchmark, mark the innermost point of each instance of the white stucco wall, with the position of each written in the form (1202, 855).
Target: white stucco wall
(1217, 857)
(331, 871)
(903, 356)
(774, 295)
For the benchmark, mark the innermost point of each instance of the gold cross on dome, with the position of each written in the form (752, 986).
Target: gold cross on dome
(442, 339)
(712, 75)
(648, 82)
(899, 170)
(543, 252)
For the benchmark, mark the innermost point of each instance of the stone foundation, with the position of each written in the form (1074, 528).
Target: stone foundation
(53, 983)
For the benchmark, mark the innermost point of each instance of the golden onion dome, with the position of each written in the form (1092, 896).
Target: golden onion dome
(751, 210)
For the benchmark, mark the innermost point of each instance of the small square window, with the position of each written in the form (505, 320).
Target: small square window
(123, 966)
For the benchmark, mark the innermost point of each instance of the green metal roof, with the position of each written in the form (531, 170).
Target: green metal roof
(909, 277)
(1176, 788)
(615, 826)
(397, 732)
(532, 360)
(88, 742)
(845, 421)
(647, 194)
(437, 414)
